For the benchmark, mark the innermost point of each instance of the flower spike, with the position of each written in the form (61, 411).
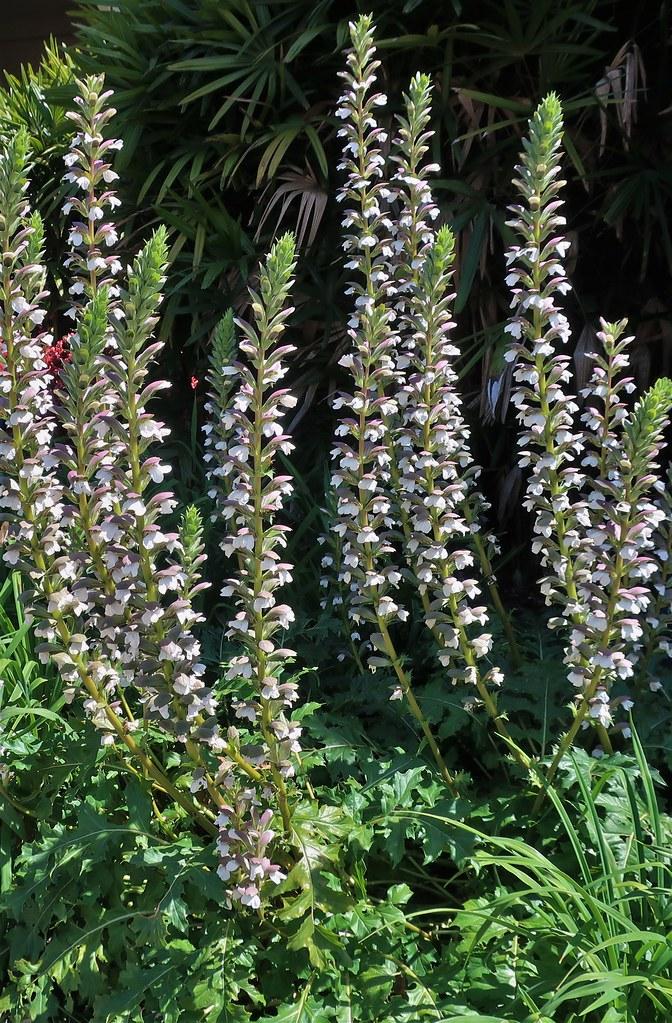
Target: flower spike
(92, 236)
(589, 487)
(244, 439)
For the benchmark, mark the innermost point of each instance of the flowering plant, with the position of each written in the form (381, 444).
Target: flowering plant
(237, 887)
(244, 436)
(405, 481)
(112, 586)
(112, 589)
(591, 483)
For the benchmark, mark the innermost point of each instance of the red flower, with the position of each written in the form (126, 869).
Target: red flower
(194, 383)
(56, 355)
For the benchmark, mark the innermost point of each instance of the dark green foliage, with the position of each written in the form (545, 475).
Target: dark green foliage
(407, 905)
(36, 101)
(227, 114)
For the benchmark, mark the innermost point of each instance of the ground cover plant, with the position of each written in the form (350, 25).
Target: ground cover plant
(461, 833)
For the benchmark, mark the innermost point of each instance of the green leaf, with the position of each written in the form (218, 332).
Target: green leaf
(472, 257)
(305, 1010)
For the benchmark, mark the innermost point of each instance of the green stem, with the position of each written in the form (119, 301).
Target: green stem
(258, 556)
(559, 518)
(414, 706)
(493, 588)
(4, 794)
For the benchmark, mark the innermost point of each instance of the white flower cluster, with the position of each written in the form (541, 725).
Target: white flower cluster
(416, 210)
(434, 485)
(361, 473)
(616, 521)
(536, 277)
(89, 171)
(437, 474)
(31, 504)
(168, 670)
(244, 438)
(242, 848)
(82, 499)
(589, 486)
(407, 461)
(414, 240)
(139, 618)
(114, 609)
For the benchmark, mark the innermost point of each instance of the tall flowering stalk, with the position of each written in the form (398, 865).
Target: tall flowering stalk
(439, 500)
(36, 479)
(364, 470)
(550, 442)
(415, 240)
(657, 630)
(588, 487)
(89, 171)
(244, 438)
(111, 590)
(135, 567)
(169, 670)
(361, 473)
(436, 485)
(620, 518)
(416, 471)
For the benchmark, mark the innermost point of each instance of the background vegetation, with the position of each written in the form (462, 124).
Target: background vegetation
(227, 115)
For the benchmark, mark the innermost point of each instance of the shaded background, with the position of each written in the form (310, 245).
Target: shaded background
(26, 25)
